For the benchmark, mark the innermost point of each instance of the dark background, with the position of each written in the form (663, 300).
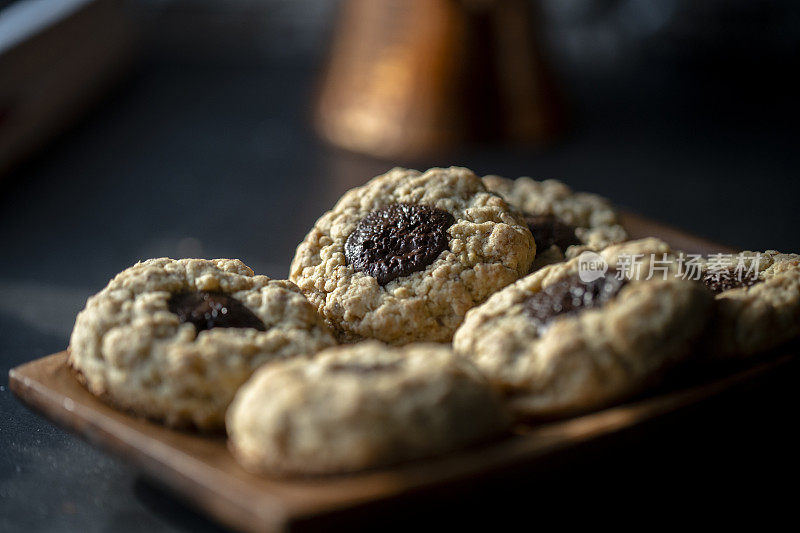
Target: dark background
(683, 111)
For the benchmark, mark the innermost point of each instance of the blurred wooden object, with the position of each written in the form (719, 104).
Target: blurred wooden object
(56, 58)
(409, 77)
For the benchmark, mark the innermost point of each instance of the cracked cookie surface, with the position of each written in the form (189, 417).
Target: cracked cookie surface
(564, 223)
(361, 406)
(587, 356)
(172, 340)
(484, 247)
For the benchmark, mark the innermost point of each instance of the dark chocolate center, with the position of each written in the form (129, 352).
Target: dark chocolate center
(724, 281)
(398, 240)
(208, 310)
(549, 230)
(365, 368)
(569, 296)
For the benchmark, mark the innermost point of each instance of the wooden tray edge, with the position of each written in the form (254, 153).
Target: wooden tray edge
(539, 442)
(108, 436)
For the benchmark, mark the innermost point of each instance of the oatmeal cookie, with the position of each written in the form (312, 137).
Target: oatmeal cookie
(402, 258)
(172, 340)
(757, 303)
(564, 223)
(557, 345)
(361, 406)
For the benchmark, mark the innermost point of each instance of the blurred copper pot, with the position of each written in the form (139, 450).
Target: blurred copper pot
(407, 78)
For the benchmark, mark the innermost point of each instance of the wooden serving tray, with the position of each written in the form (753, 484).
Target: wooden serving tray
(200, 468)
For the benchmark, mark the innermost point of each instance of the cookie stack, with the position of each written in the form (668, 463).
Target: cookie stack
(419, 318)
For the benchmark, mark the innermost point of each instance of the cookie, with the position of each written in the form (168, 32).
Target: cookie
(557, 345)
(757, 303)
(172, 340)
(404, 257)
(564, 223)
(361, 406)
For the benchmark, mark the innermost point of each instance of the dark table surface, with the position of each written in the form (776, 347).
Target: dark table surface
(214, 158)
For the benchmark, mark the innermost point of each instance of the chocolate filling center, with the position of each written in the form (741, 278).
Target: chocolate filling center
(397, 240)
(365, 368)
(208, 310)
(568, 296)
(724, 281)
(549, 230)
